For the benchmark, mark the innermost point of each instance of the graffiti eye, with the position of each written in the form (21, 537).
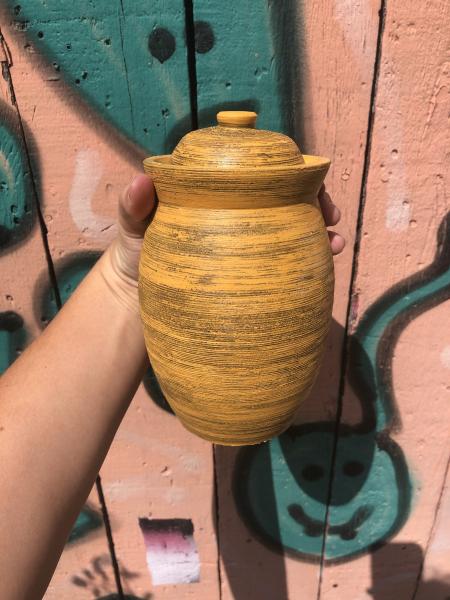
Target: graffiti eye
(353, 468)
(204, 37)
(161, 44)
(312, 472)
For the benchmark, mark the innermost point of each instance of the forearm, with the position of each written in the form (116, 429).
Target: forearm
(75, 384)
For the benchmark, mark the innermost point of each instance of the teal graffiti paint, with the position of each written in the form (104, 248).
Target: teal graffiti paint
(69, 274)
(242, 69)
(17, 216)
(16, 194)
(12, 338)
(402, 304)
(281, 487)
(101, 50)
(128, 61)
(281, 491)
(88, 520)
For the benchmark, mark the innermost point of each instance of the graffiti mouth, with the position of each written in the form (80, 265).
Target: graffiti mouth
(314, 528)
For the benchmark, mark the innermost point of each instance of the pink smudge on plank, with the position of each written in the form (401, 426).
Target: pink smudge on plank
(172, 555)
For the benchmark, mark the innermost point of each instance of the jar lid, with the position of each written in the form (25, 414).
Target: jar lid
(235, 143)
(234, 165)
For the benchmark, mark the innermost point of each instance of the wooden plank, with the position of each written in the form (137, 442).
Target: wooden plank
(393, 449)
(281, 59)
(235, 63)
(24, 278)
(155, 470)
(157, 474)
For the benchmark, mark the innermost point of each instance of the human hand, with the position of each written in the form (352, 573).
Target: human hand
(120, 263)
(331, 216)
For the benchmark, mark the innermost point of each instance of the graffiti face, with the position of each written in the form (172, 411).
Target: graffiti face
(283, 487)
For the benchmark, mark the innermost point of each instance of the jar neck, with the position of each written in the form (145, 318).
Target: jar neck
(237, 188)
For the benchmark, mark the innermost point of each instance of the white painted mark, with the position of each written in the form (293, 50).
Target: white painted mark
(171, 552)
(445, 357)
(397, 211)
(173, 91)
(88, 172)
(130, 488)
(191, 463)
(174, 495)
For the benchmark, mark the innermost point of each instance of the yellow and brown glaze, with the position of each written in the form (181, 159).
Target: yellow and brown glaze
(236, 281)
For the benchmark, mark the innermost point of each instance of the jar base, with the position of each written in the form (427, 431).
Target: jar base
(245, 441)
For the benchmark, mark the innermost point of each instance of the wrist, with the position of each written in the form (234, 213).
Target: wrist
(121, 285)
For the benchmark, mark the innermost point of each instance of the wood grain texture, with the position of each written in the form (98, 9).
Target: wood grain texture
(435, 574)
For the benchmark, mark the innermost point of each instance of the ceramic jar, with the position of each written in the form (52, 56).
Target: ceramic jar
(236, 279)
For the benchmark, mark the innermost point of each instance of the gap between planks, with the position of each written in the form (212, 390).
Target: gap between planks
(350, 317)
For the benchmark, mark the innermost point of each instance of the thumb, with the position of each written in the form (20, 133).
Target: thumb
(136, 205)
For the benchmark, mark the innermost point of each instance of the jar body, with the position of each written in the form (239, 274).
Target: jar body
(236, 305)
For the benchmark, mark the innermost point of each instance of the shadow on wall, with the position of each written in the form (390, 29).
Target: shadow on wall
(82, 57)
(395, 569)
(105, 68)
(281, 490)
(286, 29)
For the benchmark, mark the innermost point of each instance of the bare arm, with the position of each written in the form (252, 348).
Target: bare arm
(64, 398)
(60, 405)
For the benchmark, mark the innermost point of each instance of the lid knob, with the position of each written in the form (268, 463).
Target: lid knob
(236, 118)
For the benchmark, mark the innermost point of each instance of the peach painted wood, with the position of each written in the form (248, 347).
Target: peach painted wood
(236, 280)
(407, 202)
(331, 103)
